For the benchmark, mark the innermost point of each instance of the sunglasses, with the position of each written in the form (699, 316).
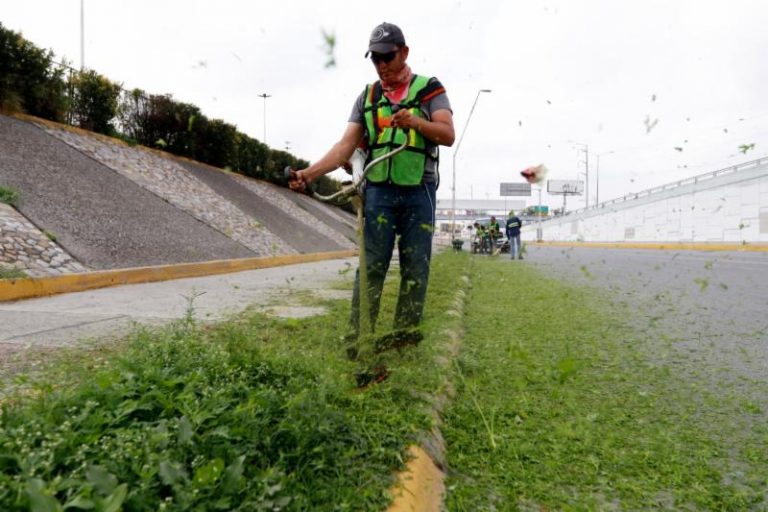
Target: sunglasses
(383, 57)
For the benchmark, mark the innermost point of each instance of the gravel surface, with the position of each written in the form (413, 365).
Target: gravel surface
(98, 216)
(304, 238)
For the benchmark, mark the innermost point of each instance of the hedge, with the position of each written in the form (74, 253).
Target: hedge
(33, 83)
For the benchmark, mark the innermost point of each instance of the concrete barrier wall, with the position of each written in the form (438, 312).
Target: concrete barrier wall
(729, 205)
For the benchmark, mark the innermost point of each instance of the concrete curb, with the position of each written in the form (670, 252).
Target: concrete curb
(668, 246)
(420, 487)
(25, 288)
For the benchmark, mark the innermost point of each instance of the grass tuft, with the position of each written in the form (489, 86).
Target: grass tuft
(10, 196)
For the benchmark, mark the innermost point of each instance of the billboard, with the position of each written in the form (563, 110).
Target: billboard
(515, 189)
(571, 187)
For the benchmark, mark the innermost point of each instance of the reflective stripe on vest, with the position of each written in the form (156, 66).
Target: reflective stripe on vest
(407, 167)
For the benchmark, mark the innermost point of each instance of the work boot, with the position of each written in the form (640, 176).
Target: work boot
(372, 375)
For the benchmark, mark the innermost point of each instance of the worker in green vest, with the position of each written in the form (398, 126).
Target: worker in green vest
(399, 193)
(494, 233)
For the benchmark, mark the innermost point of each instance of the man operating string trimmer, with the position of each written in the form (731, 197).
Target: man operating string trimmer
(399, 192)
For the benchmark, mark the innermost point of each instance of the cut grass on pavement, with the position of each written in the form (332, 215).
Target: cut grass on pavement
(560, 407)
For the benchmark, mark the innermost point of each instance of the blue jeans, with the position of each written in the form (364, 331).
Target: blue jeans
(514, 245)
(392, 211)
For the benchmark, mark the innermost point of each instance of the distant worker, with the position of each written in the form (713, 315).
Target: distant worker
(482, 235)
(494, 233)
(513, 234)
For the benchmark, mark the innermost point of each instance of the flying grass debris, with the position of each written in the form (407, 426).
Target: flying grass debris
(650, 125)
(746, 147)
(329, 41)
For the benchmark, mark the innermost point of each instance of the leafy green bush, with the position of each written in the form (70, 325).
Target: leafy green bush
(94, 102)
(29, 80)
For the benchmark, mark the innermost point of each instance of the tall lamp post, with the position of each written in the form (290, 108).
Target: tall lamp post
(265, 96)
(585, 149)
(82, 35)
(455, 151)
(597, 176)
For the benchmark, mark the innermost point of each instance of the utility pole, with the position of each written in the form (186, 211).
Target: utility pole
(455, 151)
(265, 96)
(597, 176)
(585, 149)
(82, 35)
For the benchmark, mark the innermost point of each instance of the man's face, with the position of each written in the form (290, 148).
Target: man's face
(388, 65)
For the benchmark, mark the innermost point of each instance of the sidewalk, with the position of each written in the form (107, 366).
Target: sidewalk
(63, 320)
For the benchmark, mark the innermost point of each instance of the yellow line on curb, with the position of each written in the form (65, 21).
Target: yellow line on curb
(25, 288)
(667, 246)
(420, 487)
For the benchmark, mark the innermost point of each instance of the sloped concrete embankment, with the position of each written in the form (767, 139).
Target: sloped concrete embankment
(301, 230)
(173, 183)
(99, 217)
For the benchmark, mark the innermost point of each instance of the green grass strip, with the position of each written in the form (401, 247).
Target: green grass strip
(560, 406)
(250, 414)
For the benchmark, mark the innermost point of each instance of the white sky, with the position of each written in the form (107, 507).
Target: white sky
(585, 71)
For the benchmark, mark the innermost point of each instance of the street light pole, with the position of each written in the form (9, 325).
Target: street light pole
(82, 35)
(585, 149)
(265, 96)
(597, 176)
(455, 151)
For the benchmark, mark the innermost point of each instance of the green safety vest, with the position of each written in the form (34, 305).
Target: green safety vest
(407, 167)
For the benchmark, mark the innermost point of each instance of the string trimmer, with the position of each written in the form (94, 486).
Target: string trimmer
(352, 192)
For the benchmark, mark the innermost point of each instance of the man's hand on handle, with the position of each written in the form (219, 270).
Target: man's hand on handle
(298, 181)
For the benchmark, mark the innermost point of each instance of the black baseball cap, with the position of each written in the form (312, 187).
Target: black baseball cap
(385, 38)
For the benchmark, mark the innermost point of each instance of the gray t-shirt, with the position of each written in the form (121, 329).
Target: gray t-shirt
(439, 102)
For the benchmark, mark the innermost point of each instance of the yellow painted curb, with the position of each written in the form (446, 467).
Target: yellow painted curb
(669, 246)
(15, 289)
(420, 487)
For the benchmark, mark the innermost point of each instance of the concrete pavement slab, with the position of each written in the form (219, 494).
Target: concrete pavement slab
(65, 319)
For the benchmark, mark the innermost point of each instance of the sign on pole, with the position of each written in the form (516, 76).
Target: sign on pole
(565, 187)
(515, 189)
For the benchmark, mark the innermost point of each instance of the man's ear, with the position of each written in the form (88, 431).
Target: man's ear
(405, 51)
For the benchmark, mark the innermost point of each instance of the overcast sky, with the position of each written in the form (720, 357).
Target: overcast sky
(633, 79)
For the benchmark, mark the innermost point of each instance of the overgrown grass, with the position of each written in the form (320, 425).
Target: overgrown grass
(561, 407)
(9, 195)
(250, 414)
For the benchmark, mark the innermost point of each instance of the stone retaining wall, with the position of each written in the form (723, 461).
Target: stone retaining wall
(24, 247)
